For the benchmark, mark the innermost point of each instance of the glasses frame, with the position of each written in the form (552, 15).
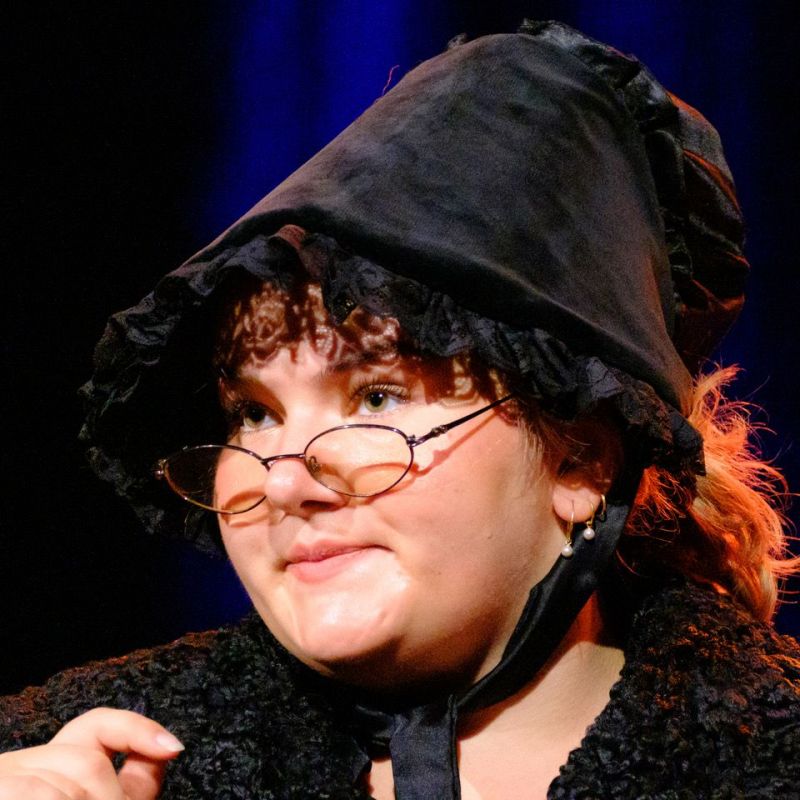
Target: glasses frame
(161, 468)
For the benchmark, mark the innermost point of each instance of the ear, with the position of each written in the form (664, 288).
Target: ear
(575, 499)
(586, 474)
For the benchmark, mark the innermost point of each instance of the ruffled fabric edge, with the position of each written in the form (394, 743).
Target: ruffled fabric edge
(703, 225)
(153, 391)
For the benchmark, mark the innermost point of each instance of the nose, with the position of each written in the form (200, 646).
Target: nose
(290, 488)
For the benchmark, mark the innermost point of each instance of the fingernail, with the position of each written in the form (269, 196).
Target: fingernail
(169, 742)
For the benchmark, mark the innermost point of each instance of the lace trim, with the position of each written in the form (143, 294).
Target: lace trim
(152, 391)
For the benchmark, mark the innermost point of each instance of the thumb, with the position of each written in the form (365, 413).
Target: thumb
(141, 777)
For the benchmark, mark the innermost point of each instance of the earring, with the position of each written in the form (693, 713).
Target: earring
(567, 550)
(589, 532)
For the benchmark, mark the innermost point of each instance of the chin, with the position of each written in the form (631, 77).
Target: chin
(338, 652)
(384, 663)
(339, 639)
(336, 623)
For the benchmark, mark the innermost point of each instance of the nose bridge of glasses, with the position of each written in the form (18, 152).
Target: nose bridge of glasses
(270, 461)
(294, 488)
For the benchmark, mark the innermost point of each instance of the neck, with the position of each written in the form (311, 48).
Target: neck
(567, 693)
(515, 748)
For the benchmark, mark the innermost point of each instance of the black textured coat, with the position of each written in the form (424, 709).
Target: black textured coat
(708, 706)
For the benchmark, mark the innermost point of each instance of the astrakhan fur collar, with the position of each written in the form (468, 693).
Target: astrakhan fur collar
(707, 706)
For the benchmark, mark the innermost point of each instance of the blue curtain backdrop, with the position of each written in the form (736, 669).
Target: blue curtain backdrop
(144, 130)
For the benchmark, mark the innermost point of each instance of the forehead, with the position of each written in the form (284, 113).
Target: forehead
(257, 320)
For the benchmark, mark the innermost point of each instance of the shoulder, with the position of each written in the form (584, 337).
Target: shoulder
(708, 701)
(242, 706)
(146, 681)
(689, 635)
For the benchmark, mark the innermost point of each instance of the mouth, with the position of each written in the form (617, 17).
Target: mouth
(321, 562)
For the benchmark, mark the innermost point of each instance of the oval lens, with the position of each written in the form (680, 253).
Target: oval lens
(359, 461)
(217, 477)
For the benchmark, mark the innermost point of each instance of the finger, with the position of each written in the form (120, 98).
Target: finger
(55, 780)
(76, 772)
(112, 730)
(81, 773)
(141, 777)
(29, 787)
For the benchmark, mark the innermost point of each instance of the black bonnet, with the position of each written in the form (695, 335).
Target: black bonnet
(537, 197)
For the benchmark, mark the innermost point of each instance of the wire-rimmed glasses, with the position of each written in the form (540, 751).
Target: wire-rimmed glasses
(357, 460)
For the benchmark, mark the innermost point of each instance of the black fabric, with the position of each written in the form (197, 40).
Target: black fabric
(707, 707)
(421, 741)
(152, 392)
(552, 205)
(534, 198)
(703, 225)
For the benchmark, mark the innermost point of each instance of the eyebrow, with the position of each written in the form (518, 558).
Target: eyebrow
(344, 362)
(353, 360)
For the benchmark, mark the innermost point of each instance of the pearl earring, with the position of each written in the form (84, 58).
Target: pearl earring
(567, 549)
(589, 532)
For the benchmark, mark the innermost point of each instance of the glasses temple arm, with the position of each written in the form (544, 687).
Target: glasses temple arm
(413, 441)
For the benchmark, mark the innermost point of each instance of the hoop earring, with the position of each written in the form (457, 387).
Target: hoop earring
(589, 532)
(567, 550)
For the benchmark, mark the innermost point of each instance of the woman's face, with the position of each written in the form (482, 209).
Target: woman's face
(422, 582)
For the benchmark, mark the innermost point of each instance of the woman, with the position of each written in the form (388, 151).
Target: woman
(497, 543)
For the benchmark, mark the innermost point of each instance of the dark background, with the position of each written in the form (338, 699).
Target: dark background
(135, 132)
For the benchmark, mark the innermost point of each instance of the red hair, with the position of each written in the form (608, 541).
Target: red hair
(730, 531)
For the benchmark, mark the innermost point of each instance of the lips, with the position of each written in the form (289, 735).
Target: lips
(319, 551)
(323, 560)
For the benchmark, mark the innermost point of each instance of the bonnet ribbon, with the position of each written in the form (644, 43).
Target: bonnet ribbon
(421, 740)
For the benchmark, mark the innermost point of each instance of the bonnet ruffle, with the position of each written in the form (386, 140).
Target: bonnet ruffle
(591, 290)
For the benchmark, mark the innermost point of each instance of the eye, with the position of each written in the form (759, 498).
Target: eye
(248, 417)
(377, 401)
(380, 398)
(256, 417)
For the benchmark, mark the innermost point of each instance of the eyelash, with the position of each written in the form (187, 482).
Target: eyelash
(369, 386)
(236, 409)
(235, 413)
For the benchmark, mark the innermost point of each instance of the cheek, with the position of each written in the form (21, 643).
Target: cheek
(463, 545)
(248, 541)
(477, 512)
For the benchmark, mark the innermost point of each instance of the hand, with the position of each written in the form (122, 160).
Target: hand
(76, 764)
